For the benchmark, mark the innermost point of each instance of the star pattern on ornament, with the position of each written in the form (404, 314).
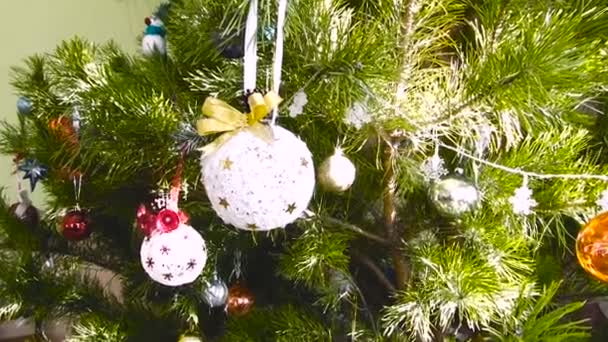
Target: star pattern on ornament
(224, 203)
(150, 262)
(168, 276)
(252, 226)
(290, 208)
(191, 264)
(227, 164)
(165, 250)
(304, 162)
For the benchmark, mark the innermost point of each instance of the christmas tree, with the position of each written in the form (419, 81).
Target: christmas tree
(317, 170)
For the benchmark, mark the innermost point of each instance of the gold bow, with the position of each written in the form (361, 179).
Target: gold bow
(222, 117)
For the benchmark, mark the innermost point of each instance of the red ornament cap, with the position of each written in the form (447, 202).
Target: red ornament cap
(76, 225)
(168, 220)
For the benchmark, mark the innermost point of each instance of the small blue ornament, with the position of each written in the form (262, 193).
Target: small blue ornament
(24, 106)
(34, 171)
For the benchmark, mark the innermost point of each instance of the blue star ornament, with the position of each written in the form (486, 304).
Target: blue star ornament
(34, 171)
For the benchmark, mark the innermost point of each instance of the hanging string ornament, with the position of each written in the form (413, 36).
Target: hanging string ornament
(173, 253)
(215, 292)
(76, 224)
(337, 173)
(240, 299)
(153, 42)
(258, 177)
(33, 171)
(155, 215)
(24, 106)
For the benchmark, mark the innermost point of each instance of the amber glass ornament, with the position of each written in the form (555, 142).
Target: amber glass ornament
(64, 129)
(240, 300)
(592, 247)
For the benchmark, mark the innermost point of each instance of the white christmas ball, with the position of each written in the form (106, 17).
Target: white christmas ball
(258, 186)
(174, 258)
(337, 173)
(153, 44)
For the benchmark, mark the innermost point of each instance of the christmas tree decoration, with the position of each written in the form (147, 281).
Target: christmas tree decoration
(63, 127)
(174, 258)
(76, 225)
(357, 115)
(215, 293)
(496, 85)
(156, 215)
(297, 106)
(160, 200)
(146, 220)
(25, 211)
(257, 177)
(240, 300)
(433, 168)
(154, 42)
(34, 171)
(592, 247)
(24, 105)
(337, 173)
(454, 196)
(522, 201)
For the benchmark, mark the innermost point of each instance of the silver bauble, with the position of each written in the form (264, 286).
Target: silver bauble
(215, 293)
(454, 196)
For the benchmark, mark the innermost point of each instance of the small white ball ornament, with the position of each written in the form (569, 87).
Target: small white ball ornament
(174, 258)
(337, 173)
(256, 185)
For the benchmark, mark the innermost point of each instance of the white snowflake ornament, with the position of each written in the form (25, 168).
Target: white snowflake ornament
(174, 258)
(258, 186)
(297, 106)
(522, 201)
(434, 168)
(357, 116)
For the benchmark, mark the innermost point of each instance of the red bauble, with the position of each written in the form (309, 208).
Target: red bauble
(168, 220)
(240, 300)
(76, 225)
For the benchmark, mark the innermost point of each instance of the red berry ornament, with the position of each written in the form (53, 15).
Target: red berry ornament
(76, 225)
(168, 220)
(146, 220)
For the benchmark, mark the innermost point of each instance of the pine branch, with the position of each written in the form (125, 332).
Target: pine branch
(367, 262)
(356, 229)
